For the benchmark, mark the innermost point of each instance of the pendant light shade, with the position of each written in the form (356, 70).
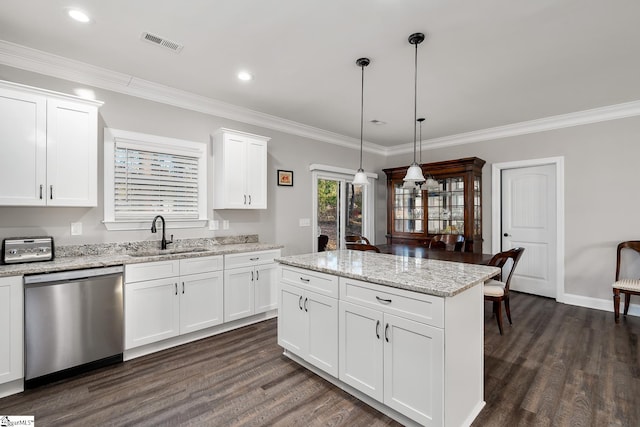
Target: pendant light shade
(430, 184)
(414, 173)
(361, 177)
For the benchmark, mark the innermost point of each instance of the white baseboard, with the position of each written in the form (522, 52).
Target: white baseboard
(599, 303)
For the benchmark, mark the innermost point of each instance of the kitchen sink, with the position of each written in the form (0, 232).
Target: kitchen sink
(161, 252)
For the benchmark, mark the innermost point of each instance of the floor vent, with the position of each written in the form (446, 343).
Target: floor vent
(161, 41)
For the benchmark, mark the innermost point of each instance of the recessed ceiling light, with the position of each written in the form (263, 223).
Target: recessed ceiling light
(245, 76)
(78, 15)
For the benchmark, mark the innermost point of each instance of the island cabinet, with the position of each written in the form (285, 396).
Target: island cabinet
(454, 206)
(392, 348)
(250, 284)
(11, 337)
(308, 317)
(165, 299)
(49, 145)
(406, 333)
(240, 170)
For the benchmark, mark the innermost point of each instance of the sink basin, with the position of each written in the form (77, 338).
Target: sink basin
(160, 252)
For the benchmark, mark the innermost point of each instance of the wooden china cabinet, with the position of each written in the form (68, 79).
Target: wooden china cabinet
(414, 216)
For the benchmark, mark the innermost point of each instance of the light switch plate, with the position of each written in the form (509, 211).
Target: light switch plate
(225, 224)
(76, 228)
(304, 222)
(214, 224)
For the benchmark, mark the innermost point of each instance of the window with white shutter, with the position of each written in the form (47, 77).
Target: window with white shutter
(147, 175)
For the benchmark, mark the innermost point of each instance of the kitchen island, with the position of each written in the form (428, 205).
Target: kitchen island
(403, 334)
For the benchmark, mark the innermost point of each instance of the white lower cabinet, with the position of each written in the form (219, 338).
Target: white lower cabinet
(11, 320)
(190, 299)
(308, 320)
(309, 327)
(396, 361)
(393, 359)
(250, 284)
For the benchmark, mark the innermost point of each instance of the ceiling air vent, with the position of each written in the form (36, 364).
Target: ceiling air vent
(161, 41)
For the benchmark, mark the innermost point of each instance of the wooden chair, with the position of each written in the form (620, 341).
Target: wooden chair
(362, 247)
(498, 290)
(323, 239)
(356, 239)
(447, 242)
(627, 286)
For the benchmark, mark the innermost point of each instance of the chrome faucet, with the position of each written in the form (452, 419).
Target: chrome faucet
(164, 242)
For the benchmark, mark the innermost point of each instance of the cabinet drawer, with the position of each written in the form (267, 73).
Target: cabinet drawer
(422, 308)
(203, 264)
(324, 284)
(151, 270)
(247, 259)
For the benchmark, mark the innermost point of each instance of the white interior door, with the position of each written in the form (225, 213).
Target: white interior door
(528, 220)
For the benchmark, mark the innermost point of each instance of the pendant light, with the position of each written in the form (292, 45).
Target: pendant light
(430, 184)
(361, 177)
(414, 173)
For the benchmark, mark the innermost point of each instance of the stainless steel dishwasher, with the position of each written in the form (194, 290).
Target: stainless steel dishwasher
(73, 322)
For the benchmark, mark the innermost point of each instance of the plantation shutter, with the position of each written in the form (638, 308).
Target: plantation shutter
(148, 183)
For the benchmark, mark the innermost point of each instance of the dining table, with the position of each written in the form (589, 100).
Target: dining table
(437, 254)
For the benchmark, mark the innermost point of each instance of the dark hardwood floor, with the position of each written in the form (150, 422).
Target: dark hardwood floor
(558, 365)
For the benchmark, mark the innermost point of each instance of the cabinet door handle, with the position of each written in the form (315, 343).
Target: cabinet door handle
(305, 304)
(183, 287)
(249, 198)
(252, 276)
(386, 333)
(383, 300)
(300, 302)
(305, 280)
(378, 329)
(176, 285)
(51, 192)
(257, 275)
(506, 234)
(41, 191)
(254, 259)
(245, 199)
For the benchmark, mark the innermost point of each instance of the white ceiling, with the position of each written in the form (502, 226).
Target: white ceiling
(484, 63)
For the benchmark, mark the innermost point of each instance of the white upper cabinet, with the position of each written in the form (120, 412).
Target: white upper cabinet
(49, 143)
(240, 170)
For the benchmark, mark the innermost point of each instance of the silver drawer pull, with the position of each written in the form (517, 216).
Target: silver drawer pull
(254, 259)
(305, 280)
(382, 300)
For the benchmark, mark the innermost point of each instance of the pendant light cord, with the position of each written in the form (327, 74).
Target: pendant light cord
(415, 103)
(361, 113)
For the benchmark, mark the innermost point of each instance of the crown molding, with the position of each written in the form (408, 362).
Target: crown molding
(37, 61)
(595, 115)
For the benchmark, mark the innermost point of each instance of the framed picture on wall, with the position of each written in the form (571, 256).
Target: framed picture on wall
(285, 178)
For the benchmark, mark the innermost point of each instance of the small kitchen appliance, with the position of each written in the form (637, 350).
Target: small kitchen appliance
(27, 249)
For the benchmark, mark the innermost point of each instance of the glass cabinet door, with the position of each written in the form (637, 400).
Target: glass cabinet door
(408, 210)
(445, 207)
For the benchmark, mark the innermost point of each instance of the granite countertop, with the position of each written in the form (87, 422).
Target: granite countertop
(440, 278)
(92, 256)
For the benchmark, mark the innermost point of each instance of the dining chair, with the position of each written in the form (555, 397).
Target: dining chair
(362, 247)
(627, 286)
(356, 239)
(447, 242)
(497, 291)
(323, 239)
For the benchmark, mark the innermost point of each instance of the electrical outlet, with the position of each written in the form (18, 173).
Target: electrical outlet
(76, 228)
(225, 224)
(214, 224)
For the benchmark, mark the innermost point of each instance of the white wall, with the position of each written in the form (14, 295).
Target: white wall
(277, 224)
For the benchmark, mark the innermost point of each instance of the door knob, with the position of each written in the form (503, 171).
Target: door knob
(506, 234)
